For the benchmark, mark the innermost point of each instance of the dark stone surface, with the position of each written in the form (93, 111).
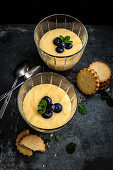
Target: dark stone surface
(92, 133)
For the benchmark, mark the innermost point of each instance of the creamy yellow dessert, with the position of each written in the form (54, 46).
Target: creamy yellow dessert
(46, 42)
(33, 98)
(47, 45)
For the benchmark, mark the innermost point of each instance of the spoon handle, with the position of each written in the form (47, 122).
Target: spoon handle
(3, 108)
(7, 93)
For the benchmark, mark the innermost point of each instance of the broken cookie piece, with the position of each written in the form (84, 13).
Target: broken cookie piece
(21, 135)
(25, 151)
(33, 142)
(22, 149)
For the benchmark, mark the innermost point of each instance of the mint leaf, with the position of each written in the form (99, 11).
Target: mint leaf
(82, 109)
(67, 41)
(67, 38)
(41, 111)
(61, 37)
(43, 102)
(57, 138)
(71, 147)
(42, 106)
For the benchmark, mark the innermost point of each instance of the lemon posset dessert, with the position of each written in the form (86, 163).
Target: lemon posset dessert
(60, 43)
(47, 106)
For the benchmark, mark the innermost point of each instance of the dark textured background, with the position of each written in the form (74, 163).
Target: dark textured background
(92, 133)
(89, 12)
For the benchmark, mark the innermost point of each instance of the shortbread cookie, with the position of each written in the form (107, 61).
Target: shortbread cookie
(22, 149)
(21, 135)
(33, 142)
(102, 69)
(25, 151)
(87, 81)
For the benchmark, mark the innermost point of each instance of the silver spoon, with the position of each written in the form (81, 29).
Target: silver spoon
(20, 71)
(28, 74)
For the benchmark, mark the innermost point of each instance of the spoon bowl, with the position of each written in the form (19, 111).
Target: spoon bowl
(29, 74)
(32, 72)
(21, 69)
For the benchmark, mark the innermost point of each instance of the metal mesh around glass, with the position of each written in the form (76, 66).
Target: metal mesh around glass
(47, 78)
(60, 21)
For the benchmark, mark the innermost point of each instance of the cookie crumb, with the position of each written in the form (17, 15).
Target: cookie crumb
(51, 135)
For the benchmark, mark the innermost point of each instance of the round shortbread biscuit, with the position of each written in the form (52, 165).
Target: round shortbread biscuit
(102, 69)
(87, 81)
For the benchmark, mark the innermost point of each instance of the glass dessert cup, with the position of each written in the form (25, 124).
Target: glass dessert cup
(47, 78)
(60, 63)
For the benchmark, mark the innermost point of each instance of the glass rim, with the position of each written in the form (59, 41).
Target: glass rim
(42, 129)
(61, 56)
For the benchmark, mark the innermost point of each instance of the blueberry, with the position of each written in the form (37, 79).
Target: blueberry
(68, 45)
(57, 41)
(47, 114)
(59, 49)
(48, 100)
(58, 107)
(62, 44)
(51, 107)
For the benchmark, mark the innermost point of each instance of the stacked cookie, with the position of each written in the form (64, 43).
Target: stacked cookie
(104, 73)
(27, 143)
(96, 77)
